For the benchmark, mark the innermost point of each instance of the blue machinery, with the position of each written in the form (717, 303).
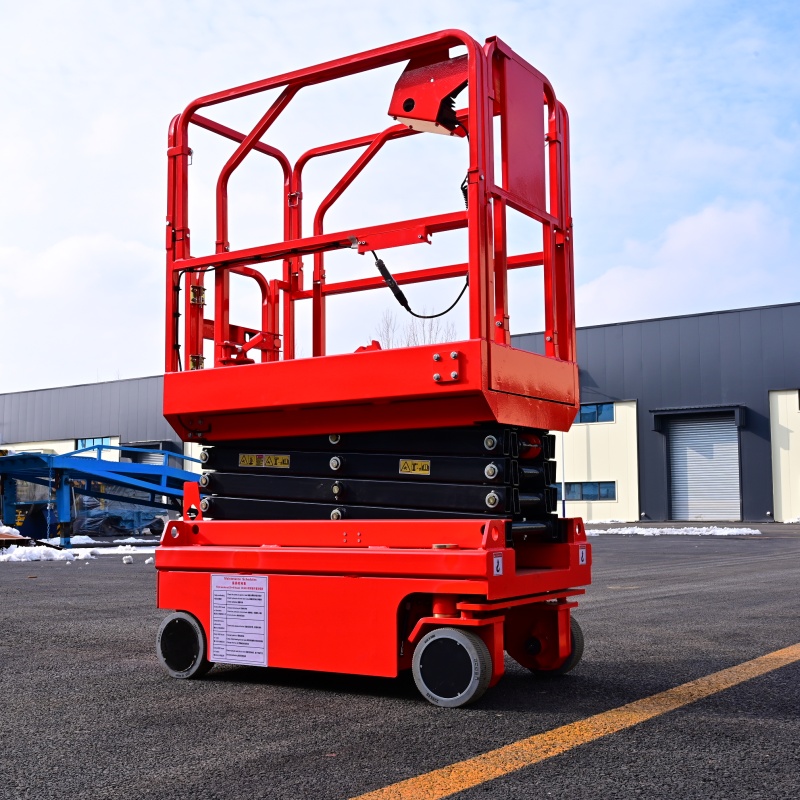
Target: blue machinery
(85, 472)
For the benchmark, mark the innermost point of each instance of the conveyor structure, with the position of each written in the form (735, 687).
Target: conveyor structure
(158, 482)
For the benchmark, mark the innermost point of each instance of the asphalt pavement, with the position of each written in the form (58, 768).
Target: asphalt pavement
(87, 712)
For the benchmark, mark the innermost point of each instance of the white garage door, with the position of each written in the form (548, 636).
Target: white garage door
(704, 468)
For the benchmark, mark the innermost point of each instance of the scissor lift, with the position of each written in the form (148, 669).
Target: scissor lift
(387, 509)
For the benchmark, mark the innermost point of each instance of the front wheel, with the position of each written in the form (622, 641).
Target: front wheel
(181, 646)
(451, 667)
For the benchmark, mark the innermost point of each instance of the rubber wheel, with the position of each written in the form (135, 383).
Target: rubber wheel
(575, 655)
(181, 646)
(451, 667)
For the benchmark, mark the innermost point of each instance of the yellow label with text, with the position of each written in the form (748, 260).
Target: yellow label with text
(409, 466)
(264, 460)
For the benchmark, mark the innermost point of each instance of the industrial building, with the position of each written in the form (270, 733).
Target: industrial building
(693, 417)
(117, 413)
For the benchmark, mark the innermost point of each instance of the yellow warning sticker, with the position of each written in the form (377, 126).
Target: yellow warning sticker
(409, 466)
(264, 460)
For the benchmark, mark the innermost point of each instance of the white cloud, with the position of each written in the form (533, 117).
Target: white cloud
(716, 259)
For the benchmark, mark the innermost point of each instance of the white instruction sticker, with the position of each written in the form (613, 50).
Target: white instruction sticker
(581, 555)
(498, 563)
(239, 619)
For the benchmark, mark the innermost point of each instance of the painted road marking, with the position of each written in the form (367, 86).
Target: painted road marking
(496, 763)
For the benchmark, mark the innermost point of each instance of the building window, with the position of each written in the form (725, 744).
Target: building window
(596, 412)
(98, 440)
(589, 491)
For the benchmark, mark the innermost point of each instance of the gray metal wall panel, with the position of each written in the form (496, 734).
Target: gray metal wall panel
(791, 361)
(708, 348)
(774, 354)
(730, 358)
(130, 409)
(631, 357)
(689, 354)
(615, 367)
(669, 351)
(722, 358)
(36, 412)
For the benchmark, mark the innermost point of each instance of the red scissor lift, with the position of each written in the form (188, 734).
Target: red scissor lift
(387, 509)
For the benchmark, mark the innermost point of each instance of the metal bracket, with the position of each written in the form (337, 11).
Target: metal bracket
(447, 367)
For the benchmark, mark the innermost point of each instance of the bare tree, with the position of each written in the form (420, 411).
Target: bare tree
(416, 332)
(387, 332)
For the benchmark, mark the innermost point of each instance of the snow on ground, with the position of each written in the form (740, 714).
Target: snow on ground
(133, 540)
(9, 531)
(122, 548)
(80, 539)
(713, 530)
(123, 545)
(16, 552)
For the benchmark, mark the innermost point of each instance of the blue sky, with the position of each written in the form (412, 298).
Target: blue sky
(685, 133)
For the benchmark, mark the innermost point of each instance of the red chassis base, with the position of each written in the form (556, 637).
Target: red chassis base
(347, 597)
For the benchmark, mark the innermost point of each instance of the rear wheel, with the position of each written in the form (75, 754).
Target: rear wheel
(527, 653)
(576, 635)
(451, 667)
(181, 646)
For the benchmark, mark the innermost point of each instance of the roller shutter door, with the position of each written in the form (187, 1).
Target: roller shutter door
(704, 468)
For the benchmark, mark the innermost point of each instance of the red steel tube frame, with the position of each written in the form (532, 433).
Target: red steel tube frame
(485, 220)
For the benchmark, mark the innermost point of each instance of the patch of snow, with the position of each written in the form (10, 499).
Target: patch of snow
(127, 559)
(132, 540)
(713, 530)
(149, 560)
(17, 553)
(122, 549)
(7, 530)
(603, 522)
(795, 521)
(79, 539)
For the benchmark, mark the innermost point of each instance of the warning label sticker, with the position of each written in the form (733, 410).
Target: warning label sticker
(582, 555)
(238, 619)
(264, 460)
(409, 466)
(498, 563)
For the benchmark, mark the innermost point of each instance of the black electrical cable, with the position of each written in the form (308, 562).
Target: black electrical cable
(401, 298)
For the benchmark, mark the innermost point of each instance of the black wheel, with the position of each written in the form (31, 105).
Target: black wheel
(451, 667)
(575, 655)
(181, 646)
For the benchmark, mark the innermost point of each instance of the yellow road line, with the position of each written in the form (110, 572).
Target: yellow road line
(496, 763)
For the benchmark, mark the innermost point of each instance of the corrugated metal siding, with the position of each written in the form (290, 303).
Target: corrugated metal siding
(727, 358)
(131, 409)
(704, 468)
